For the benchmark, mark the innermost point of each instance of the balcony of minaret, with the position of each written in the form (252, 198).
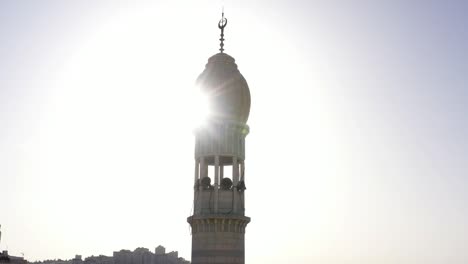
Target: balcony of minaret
(219, 186)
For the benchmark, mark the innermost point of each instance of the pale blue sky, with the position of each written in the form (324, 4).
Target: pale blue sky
(358, 150)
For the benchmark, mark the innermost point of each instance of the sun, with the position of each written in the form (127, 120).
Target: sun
(199, 109)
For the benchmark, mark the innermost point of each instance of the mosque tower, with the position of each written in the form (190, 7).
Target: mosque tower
(218, 222)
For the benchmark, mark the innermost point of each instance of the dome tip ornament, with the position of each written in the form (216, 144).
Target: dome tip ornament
(221, 25)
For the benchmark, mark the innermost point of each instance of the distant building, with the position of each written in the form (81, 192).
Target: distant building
(5, 258)
(160, 250)
(144, 256)
(138, 256)
(99, 260)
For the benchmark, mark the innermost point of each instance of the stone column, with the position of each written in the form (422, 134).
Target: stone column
(221, 172)
(242, 171)
(202, 170)
(242, 178)
(235, 171)
(216, 184)
(196, 192)
(235, 180)
(197, 171)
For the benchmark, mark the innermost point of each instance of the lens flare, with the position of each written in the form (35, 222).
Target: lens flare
(200, 108)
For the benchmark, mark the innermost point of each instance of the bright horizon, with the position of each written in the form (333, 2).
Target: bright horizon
(357, 151)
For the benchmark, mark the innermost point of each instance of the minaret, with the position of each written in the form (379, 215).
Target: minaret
(218, 222)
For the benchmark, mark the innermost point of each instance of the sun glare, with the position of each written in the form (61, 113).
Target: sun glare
(200, 109)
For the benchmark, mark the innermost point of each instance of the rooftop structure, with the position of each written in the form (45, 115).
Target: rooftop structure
(138, 256)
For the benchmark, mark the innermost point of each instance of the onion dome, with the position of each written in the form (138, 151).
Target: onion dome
(227, 90)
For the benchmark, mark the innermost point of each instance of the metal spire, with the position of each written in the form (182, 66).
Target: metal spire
(221, 25)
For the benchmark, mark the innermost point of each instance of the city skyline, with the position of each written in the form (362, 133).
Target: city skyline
(357, 153)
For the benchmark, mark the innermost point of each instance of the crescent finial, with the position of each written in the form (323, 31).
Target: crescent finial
(221, 25)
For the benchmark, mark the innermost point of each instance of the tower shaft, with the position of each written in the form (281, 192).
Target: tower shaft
(218, 222)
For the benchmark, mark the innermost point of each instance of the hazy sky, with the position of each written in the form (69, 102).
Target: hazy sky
(358, 150)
